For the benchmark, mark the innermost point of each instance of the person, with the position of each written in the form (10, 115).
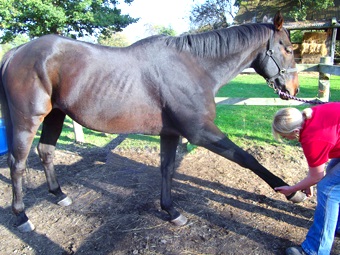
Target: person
(318, 131)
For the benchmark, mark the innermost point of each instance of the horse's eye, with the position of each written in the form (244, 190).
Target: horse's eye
(289, 50)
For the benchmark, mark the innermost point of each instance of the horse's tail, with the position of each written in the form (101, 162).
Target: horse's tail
(4, 108)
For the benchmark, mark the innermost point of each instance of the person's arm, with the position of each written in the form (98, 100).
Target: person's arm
(315, 174)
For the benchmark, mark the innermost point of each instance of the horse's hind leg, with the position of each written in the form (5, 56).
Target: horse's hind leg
(168, 155)
(21, 136)
(52, 127)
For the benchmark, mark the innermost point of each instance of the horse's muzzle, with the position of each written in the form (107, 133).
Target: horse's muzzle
(284, 95)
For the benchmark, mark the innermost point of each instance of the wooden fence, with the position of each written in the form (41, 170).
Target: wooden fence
(325, 69)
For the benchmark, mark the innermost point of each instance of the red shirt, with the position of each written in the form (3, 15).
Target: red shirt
(320, 135)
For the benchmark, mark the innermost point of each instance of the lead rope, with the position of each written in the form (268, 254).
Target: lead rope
(315, 101)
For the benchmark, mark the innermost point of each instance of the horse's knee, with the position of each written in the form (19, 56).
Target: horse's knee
(46, 152)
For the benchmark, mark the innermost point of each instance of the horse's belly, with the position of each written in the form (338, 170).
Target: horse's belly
(125, 123)
(135, 124)
(106, 112)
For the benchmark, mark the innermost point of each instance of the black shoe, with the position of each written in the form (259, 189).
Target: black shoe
(296, 250)
(337, 234)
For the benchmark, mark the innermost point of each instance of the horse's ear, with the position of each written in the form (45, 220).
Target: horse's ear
(278, 21)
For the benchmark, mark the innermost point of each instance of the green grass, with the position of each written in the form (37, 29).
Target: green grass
(243, 124)
(247, 124)
(92, 138)
(254, 86)
(99, 139)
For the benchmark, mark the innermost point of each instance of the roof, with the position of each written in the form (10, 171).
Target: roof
(256, 10)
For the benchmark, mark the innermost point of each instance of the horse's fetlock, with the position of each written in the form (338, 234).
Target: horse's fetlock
(57, 192)
(19, 210)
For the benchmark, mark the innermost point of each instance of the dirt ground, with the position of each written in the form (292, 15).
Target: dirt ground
(116, 205)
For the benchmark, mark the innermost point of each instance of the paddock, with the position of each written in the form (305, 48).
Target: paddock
(116, 206)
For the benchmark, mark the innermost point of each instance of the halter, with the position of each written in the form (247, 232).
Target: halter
(281, 71)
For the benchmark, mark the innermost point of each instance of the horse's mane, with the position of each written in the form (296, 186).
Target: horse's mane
(221, 42)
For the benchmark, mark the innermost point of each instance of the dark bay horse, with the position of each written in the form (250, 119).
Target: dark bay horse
(159, 86)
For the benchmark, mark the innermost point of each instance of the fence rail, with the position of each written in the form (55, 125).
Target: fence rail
(259, 101)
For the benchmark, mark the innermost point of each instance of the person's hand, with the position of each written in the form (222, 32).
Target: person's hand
(285, 190)
(308, 192)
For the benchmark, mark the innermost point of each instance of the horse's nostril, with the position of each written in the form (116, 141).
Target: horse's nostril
(297, 91)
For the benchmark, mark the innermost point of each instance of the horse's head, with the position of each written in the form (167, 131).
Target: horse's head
(276, 64)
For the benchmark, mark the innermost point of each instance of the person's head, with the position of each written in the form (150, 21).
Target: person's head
(288, 122)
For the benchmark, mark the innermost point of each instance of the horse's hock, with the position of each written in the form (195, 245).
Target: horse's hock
(313, 47)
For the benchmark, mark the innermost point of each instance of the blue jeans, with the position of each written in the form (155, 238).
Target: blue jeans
(320, 237)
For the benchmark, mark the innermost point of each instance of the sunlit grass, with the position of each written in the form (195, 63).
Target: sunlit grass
(254, 86)
(254, 122)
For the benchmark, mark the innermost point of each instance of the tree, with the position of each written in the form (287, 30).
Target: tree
(237, 3)
(20, 39)
(159, 30)
(214, 14)
(300, 11)
(74, 18)
(116, 40)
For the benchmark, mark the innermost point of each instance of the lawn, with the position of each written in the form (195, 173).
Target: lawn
(254, 86)
(254, 122)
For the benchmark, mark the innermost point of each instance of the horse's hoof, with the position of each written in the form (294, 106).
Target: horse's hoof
(179, 221)
(65, 202)
(297, 197)
(26, 227)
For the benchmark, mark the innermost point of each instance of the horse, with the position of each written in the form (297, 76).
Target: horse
(160, 85)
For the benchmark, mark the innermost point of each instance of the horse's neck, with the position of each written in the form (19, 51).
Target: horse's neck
(228, 68)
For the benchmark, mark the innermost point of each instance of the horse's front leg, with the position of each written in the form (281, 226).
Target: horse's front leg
(46, 153)
(210, 137)
(168, 156)
(51, 130)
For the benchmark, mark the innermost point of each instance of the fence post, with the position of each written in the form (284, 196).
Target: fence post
(324, 83)
(78, 132)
